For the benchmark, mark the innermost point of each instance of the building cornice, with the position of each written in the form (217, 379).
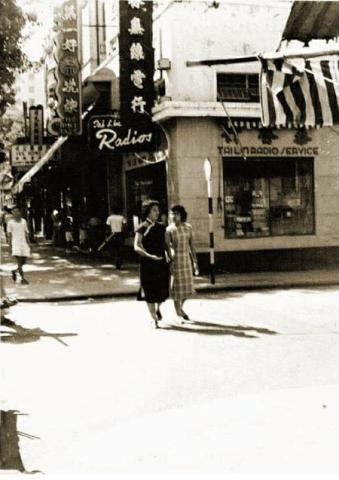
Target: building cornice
(169, 109)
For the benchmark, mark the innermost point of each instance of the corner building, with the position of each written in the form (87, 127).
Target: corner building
(275, 193)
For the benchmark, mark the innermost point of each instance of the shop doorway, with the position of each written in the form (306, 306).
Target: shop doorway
(144, 183)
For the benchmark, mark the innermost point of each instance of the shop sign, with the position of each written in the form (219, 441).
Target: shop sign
(25, 155)
(68, 72)
(108, 134)
(269, 150)
(136, 62)
(36, 125)
(145, 158)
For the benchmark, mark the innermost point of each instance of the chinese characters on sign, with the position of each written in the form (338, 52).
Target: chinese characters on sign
(25, 155)
(36, 125)
(136, 62)
(68, 89)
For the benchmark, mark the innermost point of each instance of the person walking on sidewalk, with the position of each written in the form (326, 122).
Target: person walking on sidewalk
(18, 236)
(116, 224)
(180, 244)
(150, 244)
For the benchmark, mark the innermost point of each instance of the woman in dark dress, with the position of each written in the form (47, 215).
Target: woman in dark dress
(150, 244)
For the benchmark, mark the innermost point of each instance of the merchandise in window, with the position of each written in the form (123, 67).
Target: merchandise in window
(268, 197)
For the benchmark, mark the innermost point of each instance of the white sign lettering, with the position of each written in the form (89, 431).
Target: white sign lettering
(109, 138)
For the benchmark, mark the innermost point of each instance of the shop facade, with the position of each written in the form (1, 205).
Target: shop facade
(275, 194)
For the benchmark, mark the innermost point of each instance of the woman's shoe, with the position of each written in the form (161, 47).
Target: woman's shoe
(154, 321)
(184, 315)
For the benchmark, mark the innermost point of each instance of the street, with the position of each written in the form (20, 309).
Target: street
(249, 385)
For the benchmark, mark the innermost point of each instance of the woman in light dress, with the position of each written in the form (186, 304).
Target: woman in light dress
(18, 237)
(180, 243)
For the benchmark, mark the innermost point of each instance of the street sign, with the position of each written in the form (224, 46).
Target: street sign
(107, 134)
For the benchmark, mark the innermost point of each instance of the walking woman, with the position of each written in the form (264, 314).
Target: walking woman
(150, 244)
(180, 244)
(18, 236)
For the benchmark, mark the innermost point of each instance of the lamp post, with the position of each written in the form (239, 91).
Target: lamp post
(208, 175)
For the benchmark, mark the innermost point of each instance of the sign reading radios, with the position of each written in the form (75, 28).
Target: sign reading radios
(107, 134)
(67, 72)
(136, 61)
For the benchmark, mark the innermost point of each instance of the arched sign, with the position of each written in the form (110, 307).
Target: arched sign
(108, 134)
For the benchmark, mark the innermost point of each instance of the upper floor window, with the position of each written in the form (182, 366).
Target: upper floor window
(238, 87)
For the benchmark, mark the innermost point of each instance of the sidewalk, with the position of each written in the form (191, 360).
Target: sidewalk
(55, 275)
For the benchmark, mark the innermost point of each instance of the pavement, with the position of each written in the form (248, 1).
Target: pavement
(55, 275)
(249, 386)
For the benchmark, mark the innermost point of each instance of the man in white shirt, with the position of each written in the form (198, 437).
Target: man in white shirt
(116, 223)
(18, 237)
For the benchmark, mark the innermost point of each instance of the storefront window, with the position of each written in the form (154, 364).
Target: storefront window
(268, 197)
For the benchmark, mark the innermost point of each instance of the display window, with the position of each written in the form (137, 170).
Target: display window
(143, 184)
(268, 197)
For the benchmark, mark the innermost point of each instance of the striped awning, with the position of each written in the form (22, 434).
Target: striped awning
(300, 93)
(310, 20)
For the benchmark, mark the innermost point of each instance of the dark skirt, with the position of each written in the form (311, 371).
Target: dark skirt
(154, 281)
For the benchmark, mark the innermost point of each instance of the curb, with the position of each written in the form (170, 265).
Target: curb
(200, 289)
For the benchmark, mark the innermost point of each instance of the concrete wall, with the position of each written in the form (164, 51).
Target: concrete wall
(192, 31)
(195, 139)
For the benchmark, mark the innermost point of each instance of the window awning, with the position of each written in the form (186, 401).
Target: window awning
(312, 21)
(89, 97)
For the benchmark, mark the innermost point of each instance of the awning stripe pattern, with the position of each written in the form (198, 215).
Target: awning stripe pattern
(301, 93)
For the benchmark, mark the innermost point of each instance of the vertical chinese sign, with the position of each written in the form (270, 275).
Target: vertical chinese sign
(136, 62)
(36, 125)
(68, 71)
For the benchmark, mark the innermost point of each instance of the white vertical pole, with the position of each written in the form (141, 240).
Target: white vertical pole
(208, 175)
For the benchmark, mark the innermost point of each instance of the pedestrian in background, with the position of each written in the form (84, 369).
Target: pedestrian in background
(95, 233)
(150, 244)
(56, 222)
(6, 217)
(116, 223)
(180, 244)
(18, 236)
(67, 229)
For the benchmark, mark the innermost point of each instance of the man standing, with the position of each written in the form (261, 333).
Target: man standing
(116, 223)
(18, 237)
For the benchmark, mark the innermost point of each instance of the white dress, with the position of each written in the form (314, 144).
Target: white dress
(20, 247)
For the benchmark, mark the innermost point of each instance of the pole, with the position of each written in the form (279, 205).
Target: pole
(208, 171)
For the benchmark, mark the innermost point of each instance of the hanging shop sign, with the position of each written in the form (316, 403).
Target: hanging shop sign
(107, 134)
(25, 155)
(136, 62)
(68, 72)
(36, 125)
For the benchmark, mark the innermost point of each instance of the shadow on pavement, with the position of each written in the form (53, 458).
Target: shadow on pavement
(206, 328)
(18, 334)
(10, 456)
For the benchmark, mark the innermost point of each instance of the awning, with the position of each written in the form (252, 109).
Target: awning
(89, 96)
(312, 21)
